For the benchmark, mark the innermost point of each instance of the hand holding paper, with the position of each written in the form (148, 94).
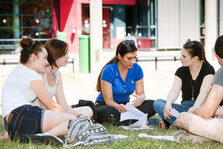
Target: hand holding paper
(138, 100)
(121, 108)
(167, 109)
(134, 113)
(174, 112)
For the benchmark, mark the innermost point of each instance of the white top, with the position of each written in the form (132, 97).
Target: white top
(17, 90)
(51, 89)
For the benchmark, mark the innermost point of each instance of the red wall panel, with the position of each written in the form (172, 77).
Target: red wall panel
(111, 2)
(71, 15)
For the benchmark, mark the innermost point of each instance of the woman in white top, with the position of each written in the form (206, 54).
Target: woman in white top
(21, 88)
(58, 57)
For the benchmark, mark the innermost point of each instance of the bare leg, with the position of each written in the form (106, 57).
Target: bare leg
(209, 128)
(59, 130)
(184, 120)
(219, 111)
(5, 137)
(56, 122)
(85, 110)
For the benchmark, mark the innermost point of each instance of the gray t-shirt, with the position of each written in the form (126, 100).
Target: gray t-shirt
(218, 77)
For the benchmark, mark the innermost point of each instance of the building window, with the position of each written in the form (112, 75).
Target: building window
(85, 20)
(32, 18)
(143, 19)
(147, 23)
(152, 17)
(202, 21)
(144, 14)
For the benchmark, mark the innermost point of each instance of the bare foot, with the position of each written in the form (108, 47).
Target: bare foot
(147, 124)
(171, 127)
(162, 124)
(5, 137)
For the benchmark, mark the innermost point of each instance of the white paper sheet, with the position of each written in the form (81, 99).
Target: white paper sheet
(118, 136)
(174, 112)
(134, 113)
(168, 138)
(144, 127)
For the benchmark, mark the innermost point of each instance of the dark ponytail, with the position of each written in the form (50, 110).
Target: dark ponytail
(195, 48)
(98, 86)
(29, 47)
(124, 47)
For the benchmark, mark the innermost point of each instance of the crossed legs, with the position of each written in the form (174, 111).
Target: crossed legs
(56, 123)
(209, 128)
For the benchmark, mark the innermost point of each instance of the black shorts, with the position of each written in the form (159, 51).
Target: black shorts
(24, 121)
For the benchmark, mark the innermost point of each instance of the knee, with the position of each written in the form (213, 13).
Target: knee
(179, 120)
(85, 110)
(103, 111)
(89, 112)
(183, 120)
(99, 109)
(158, 103)
(106, 114)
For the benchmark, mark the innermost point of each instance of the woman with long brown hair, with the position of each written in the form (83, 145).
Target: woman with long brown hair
(58, 55)
(24, 85)
(193, 79)
(119, 79)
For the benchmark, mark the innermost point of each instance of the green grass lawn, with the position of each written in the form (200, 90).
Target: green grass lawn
(132, 142)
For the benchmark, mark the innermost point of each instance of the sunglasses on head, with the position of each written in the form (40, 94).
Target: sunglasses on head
(34, 45)
(128, 42)
(190, 43)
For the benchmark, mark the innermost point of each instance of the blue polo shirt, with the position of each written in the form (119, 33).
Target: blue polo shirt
(121, 89)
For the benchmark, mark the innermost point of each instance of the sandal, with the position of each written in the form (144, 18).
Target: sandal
(156, 122)
(167, 125)
(163, 124)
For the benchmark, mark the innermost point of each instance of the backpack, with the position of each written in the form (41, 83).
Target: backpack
(83, 132)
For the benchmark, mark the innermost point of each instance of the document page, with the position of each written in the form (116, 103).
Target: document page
(168, 138)
(134, 113)
(174, 112)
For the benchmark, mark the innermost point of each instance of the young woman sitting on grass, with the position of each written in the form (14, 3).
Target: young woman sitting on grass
(57, 58)
(22, 87)
(193, 79)
(119, 79)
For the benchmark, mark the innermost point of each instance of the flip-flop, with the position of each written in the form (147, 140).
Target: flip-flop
(162, 124)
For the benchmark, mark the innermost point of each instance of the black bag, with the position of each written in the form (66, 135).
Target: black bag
(89, 103)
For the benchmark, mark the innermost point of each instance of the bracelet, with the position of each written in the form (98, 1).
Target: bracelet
(168, 102)
(79, 115)
(142, 96)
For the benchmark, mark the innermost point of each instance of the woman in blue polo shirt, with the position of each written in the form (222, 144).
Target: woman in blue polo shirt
(120, 78)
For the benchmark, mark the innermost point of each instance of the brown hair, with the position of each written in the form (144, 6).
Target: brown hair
(55, 48)
(219, 46)
(124, 47)
(29, 47)
(195, 48)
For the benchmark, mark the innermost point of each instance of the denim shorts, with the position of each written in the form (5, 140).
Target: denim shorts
(25, 121)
